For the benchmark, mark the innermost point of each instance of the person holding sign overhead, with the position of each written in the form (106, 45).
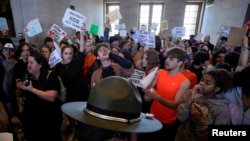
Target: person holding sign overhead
(70, 71)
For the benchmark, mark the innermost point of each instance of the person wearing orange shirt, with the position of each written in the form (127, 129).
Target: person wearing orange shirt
(168, 87)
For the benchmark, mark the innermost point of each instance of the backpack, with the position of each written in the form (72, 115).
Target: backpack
(63, 90)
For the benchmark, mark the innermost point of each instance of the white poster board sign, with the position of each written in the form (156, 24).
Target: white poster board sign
(143, 27)
(154, 26)
(58, 32)
(145, 38)
(114, 15)
(123, 33)
(73, 19)
(34, 28)
(54, 58)
(178, 32)
(136, 77)
(146, 81)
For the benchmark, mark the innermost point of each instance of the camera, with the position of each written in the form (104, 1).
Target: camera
(26, 80)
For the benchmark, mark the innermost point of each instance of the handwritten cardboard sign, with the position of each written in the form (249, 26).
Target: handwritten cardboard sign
(58, 32)
(54, 58)
(136, 77)
(34, 28)
(73, 19)
(3, 23)
(114, 15)
(235, 36)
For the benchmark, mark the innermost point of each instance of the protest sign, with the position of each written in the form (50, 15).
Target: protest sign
(154, 26)
(34, 28)
(235, 36)
(134, 28)
(178, 31)
(146, 81)
(136, 77)
(223, 30)
(123, 33)
(94, 29)
(114, 15)
(145, 38)
(164, 25)
(73, 19)
(58, 32)
(120, 26)
(3, 23)
(54, 58)
(143, 27)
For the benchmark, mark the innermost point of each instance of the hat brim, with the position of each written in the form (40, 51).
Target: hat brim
(75, 110)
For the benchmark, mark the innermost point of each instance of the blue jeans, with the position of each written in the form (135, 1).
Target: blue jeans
(106, 35)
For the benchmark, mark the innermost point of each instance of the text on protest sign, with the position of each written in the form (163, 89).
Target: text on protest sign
(54, 58)
(136, 77)
(73, 19)
(178, 31)
(145, 38)
(34, 28)
(58, 32)
(3, 23)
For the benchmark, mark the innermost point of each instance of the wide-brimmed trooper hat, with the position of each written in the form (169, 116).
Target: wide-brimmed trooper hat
(114, 103)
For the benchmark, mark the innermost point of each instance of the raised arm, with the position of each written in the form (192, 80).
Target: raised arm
(82, 32)
(25, 30)
(243, 55)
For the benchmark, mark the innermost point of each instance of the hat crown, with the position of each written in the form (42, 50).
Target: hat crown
(8, 46)
(115, 96)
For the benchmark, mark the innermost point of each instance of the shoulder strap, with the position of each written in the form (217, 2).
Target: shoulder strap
(48, 74)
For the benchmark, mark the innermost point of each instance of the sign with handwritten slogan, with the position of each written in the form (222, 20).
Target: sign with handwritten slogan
(145, 38)
(73, 19)
(178, 31)
(58, 32)
(3, 23)
(136, 77)
(54, 58)
(114, 15)
(34, 27)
